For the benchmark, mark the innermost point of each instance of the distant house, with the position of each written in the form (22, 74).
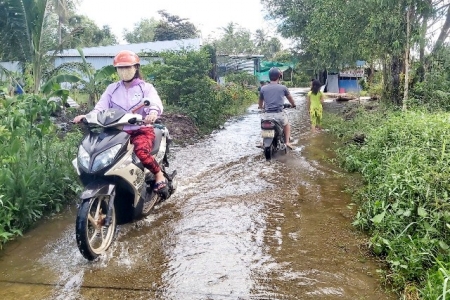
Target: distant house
(345, 80)
(248, 63)
(99, 57)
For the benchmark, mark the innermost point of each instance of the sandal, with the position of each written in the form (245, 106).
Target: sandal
(162, 189)
(289, 147)
(159, 186)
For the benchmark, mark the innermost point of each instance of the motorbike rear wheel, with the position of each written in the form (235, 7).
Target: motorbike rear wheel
(93, 238)
(268, 152)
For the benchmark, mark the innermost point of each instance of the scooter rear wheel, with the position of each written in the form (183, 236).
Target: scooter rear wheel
(268, 152)
(93, 238)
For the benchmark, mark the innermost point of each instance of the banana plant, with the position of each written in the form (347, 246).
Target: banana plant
(23, 34)
(53, 87)
(95, 80)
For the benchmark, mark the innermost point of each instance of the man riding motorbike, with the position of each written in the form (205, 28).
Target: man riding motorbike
(128, 94)
(272, 96)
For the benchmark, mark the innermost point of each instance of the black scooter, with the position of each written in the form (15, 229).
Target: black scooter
(272, 133)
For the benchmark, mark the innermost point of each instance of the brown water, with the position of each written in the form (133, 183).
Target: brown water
(237, 228)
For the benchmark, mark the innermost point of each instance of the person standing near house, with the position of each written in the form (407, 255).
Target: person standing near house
(315, 100)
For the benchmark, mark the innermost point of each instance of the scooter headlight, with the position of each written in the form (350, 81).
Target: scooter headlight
(83, 157)
(105, 158)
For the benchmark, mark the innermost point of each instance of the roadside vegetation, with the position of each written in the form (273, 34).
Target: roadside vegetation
(403, 205)
(403, 157)
(36, 176)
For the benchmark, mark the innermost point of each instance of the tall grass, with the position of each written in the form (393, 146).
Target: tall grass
(36, 176)
(404, 204)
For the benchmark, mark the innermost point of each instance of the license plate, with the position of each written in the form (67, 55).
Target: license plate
(268, 133)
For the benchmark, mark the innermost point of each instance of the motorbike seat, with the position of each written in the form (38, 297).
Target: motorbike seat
(157, 141)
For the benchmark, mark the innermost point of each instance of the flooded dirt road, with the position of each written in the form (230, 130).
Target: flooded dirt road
(237, 228)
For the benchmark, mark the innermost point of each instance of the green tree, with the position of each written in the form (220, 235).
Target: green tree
(266, 44)
(172, 27)
(234, 40)
(27, 33)
(260, 38)
(337, 33)
(85, 33)
(23, 34)
(271, 48)
(63, 9)
(143, 31)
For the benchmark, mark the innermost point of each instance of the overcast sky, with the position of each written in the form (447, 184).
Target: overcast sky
(207, 16)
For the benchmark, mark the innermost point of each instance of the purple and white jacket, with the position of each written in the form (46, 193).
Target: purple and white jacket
(117, 96)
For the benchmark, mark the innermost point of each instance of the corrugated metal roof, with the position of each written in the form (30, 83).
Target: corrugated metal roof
(97, 62)
(111, 51)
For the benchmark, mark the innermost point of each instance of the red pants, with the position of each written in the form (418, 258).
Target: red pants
(142, 139)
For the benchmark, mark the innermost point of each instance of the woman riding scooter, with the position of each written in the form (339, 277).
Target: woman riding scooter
(128, 94)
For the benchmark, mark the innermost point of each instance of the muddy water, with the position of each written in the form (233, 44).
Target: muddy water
(237, 228)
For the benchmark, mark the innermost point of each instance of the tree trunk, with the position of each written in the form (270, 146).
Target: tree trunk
(59, 31)
(91, 101)
(386, 82)
(396, 68)
(422, 43)
(444, 33)
(423, 33)
(408, 32)
(37, 74)
(371, 73)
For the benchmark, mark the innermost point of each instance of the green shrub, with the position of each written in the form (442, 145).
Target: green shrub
(36, 176)
(405, 202)
(242, 78)
(433, 92)
(183, 84)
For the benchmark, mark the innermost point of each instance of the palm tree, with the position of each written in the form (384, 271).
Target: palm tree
(22, 33)
(62, 10)
(229, 29)
(260, 38)
(272, 46)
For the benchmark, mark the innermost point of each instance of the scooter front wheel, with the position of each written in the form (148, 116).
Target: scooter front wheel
(93, 237)
(150, 203)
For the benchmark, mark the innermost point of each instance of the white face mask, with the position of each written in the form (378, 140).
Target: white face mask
(127, 73)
